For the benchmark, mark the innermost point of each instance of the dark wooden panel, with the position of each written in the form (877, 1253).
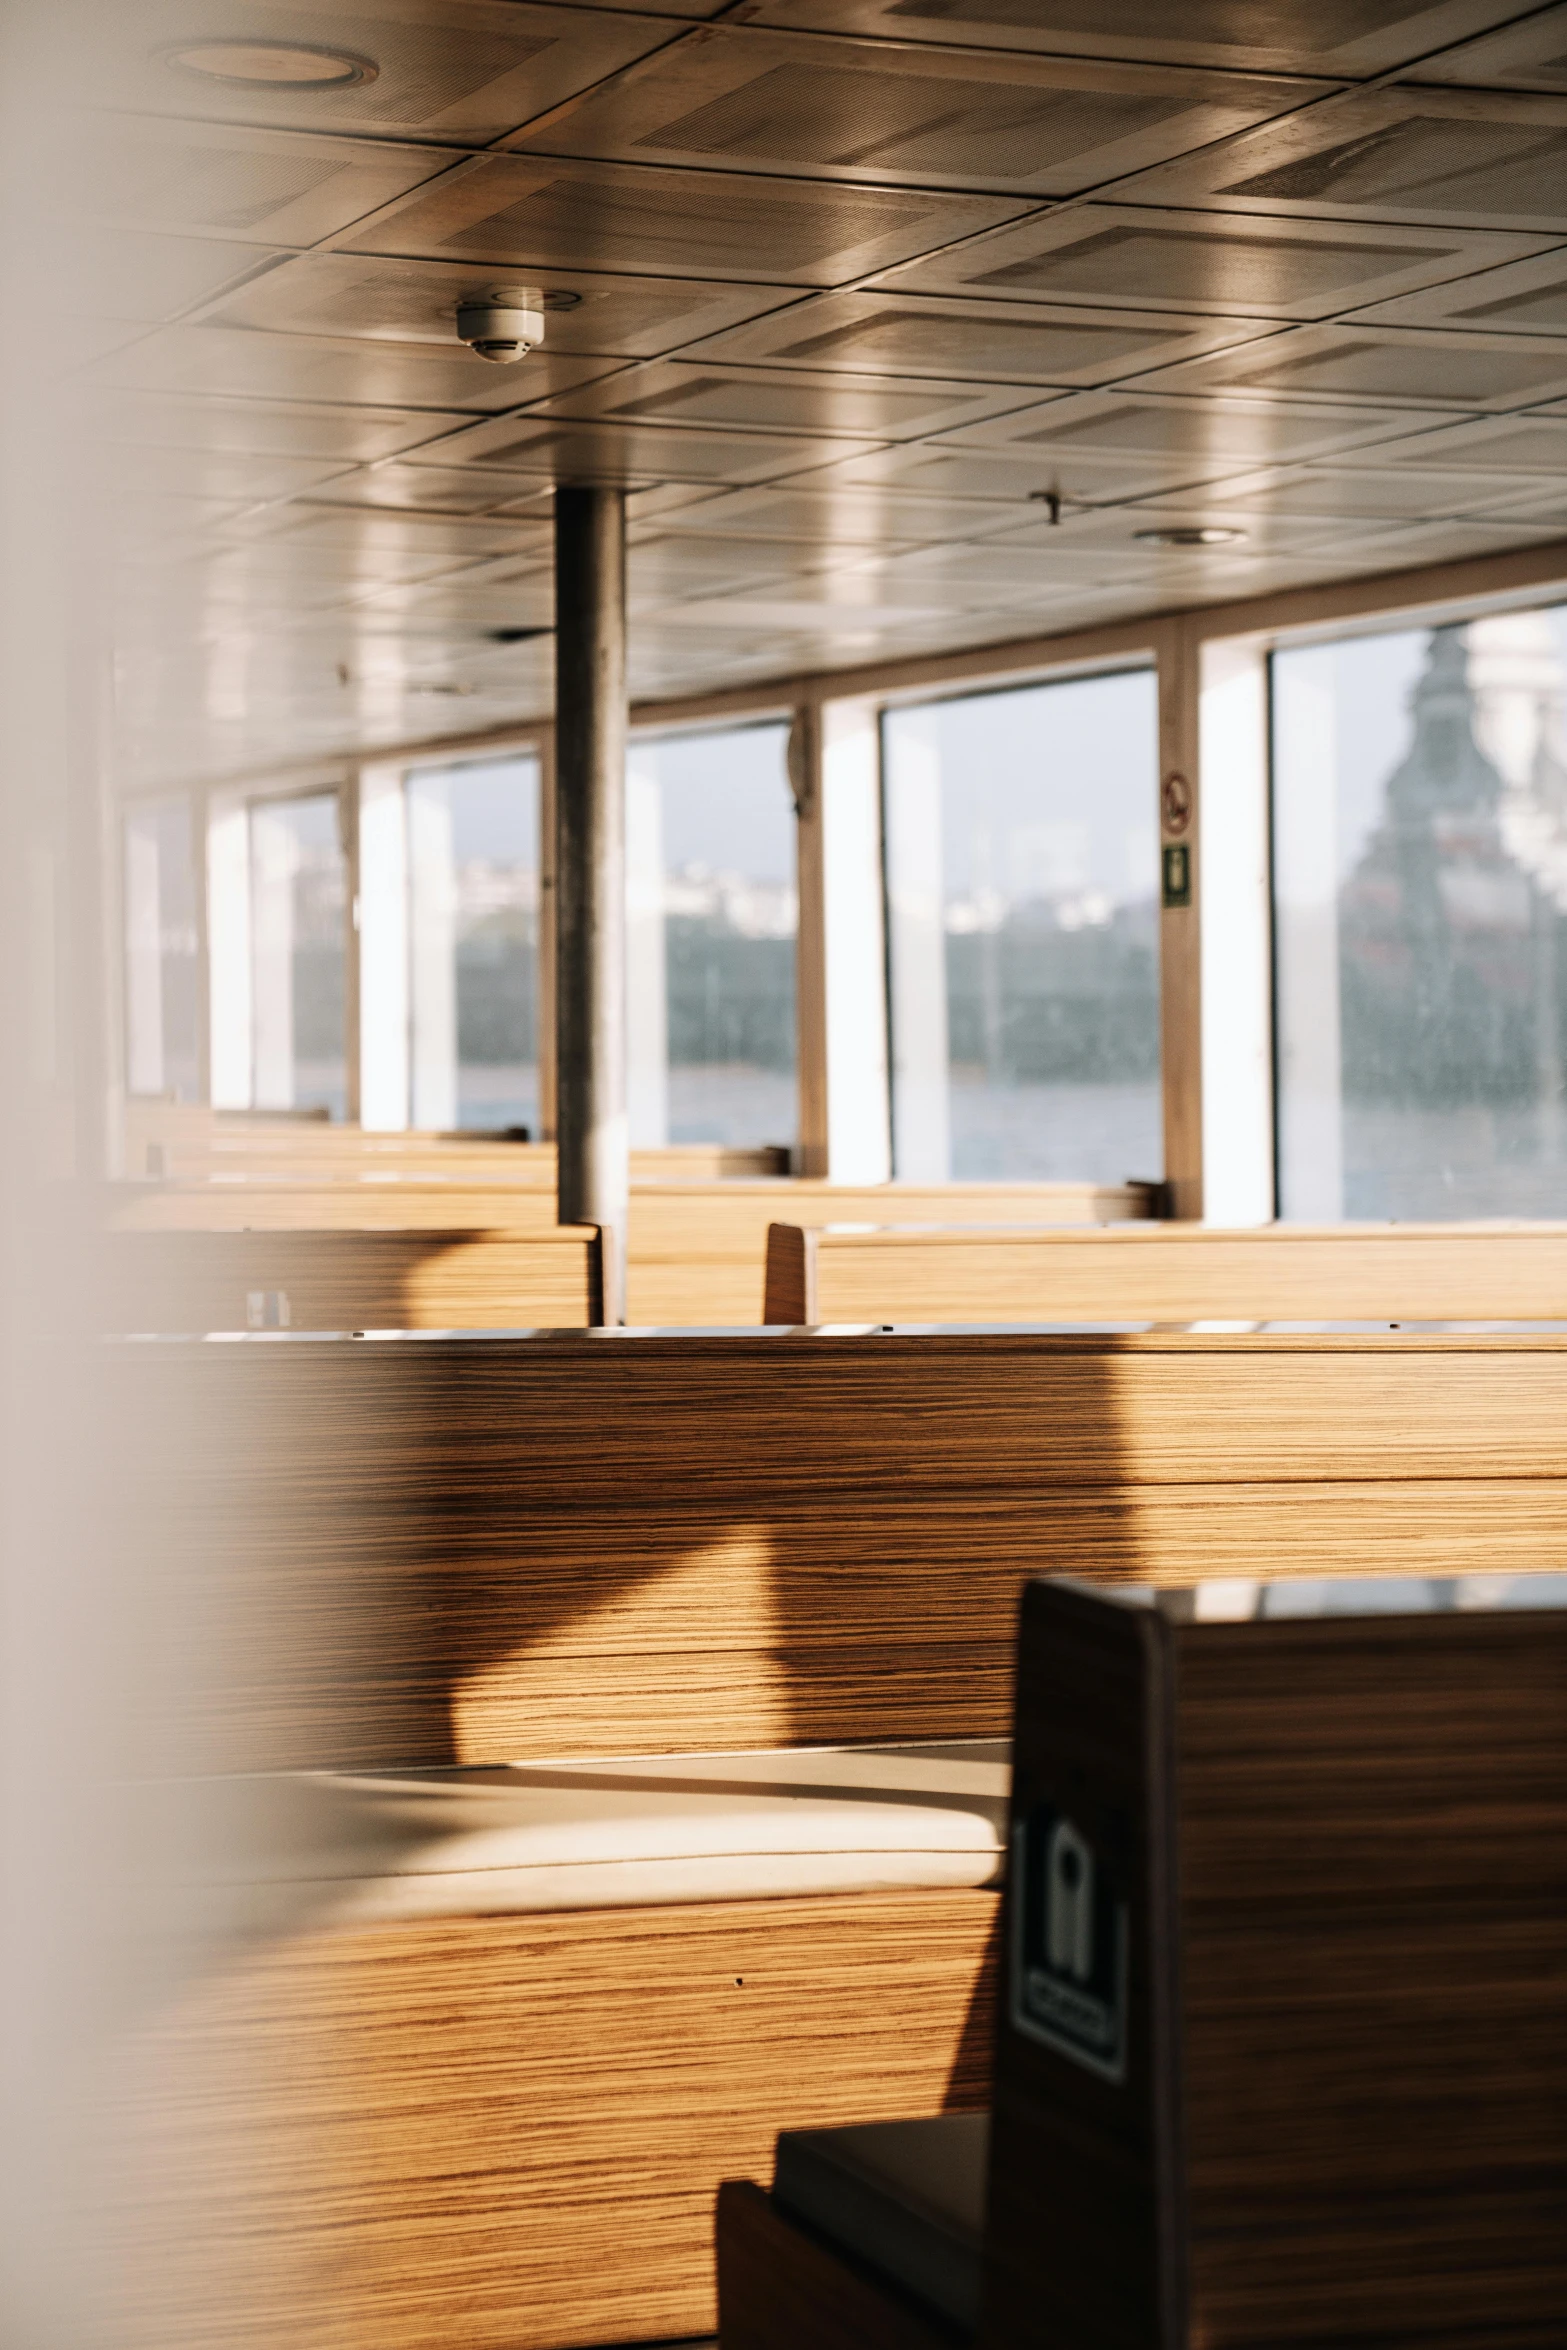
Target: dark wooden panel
(780, 2288)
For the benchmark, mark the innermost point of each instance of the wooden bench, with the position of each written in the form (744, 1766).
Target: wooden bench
(313, 1280)
(697, 1250)
(1279, 2055)
(1166, 1273)
(449, 1551)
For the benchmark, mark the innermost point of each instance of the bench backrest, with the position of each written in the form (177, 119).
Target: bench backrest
(484, 1547)
(314, 1280)
(697, 1250)
(1168, 1273)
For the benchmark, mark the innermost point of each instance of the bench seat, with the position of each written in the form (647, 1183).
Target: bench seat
(462, 2056)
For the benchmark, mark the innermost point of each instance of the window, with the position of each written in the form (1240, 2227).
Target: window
(473, 882)
(1420, 876)
(298, 947)
(710, 888)
(162, 1017)
(1022, 933)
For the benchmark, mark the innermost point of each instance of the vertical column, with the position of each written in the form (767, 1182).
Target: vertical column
(1237, 934)
(383, 951)
(544, 991)
(590, 806)
(229, 1053)
(1180, 934)
(845, 1131)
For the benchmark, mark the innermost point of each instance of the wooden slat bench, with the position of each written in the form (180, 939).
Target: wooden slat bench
(440, 1280)
(1166, 1273)
(697, 1250)
(367, 1555)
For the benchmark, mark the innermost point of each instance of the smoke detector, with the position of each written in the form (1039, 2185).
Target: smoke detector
(502, 324)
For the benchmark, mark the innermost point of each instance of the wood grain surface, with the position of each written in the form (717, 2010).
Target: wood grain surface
(781, 2288)
(697, 1249)
(508, 2133)
(1342, 1846)
(505, 1280)
(1169, 1273)
(471, 1549)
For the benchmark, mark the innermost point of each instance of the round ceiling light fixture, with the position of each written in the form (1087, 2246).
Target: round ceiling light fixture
(272, 65)
(1205, 534)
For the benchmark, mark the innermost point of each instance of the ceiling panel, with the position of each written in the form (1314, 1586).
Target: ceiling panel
(416, 301)
(1203, 262)
(267, 187)
(242, 476)
(562, 451)
(994, 342)
(1366, 492)
(828, 513)
(226, 361)
(1530, 297)
(521, 213)
(785, 400)
(1387, 364)
(1185, 439)
(1531, 55)
(447, 69)
(436, 489)
(1465, 158)
(265, 428)
(1507, 444)
(1353, 37)
(746, 99)
(138, 275)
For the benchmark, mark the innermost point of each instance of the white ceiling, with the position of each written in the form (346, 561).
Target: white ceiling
(840, 290)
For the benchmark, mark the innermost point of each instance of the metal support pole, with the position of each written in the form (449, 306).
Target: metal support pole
(590, 820)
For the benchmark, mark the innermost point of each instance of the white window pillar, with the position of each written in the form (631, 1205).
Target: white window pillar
(1236, 934)
(842, 996)
(647, 1008)
(228, 953)
(917, 954)
(1311, 1103)
(144, 1070)
(384, 1047)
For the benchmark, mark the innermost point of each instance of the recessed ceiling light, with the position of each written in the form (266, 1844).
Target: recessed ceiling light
(1189, 535)
(273, 65)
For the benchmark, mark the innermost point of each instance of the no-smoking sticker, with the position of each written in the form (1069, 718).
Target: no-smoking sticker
(1175, 801)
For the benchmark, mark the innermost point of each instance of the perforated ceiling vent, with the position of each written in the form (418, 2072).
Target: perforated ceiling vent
(1432, 164)
(1147, 264)
(844, 118)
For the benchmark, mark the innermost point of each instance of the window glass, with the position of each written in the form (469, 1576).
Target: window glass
(473, 877)
(1022, 927)
(1420, 877)
(710, 887)
(162, 1020)
(298, 945)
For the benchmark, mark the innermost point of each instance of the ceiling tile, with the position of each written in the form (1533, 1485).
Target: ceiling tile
(764, 101)
(1202, 262)
(1186, 439)
(690, 392)
(562, 451)
(521, 213)
(265, 428)
(1531, 55)
(1353, 493)
(436, 489)
(831, 514)
(227, 361)
(1529, 297)
(416, 301)
(267, 187)
(138, 274)
(1353, 37)
(1459, 157)
(454, 69)
(1385, 364)
(1536, 443)
(994, 342)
